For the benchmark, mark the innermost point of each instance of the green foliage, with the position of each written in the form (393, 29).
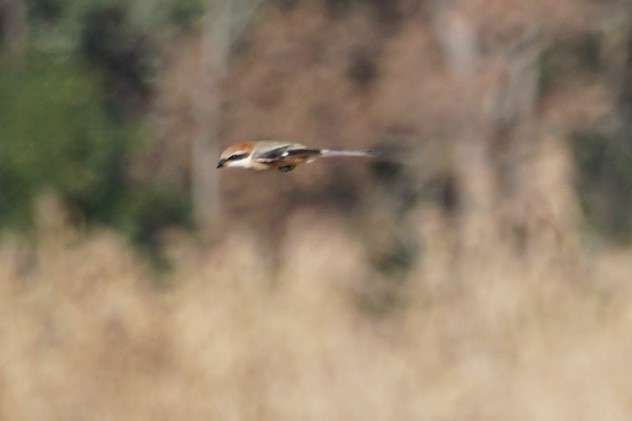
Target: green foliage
(605, 180)
(145, 212)
(57, 135)
(62, 21)
(71, 109)
(575, 56)
(184, 13)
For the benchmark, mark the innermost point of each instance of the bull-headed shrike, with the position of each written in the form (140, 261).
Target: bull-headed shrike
(282, 156)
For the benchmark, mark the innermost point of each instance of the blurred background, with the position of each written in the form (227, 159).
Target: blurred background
(482, 272)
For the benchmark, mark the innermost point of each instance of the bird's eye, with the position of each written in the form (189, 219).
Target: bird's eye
(237, 156)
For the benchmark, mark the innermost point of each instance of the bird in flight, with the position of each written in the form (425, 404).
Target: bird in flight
(282, 156)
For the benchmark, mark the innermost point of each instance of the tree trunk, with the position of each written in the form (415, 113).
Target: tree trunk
(224, 20)
(472, 161)
(496, 137)
(214, 49)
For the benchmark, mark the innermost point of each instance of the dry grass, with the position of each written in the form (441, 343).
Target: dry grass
(85, 335)
(237, 331)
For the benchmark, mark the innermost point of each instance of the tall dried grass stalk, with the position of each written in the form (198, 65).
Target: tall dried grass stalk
(86, 335)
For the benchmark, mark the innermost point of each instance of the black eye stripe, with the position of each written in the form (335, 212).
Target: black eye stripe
(236, 156)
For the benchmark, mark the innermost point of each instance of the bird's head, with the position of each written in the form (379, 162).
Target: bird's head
(236, 156)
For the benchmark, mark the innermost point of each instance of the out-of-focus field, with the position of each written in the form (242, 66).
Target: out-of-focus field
(230, 335)
(466, 274)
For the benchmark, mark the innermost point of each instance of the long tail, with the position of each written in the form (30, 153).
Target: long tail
(349, 152)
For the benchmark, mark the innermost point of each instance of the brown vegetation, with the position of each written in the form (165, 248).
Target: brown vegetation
(361, 78)
(86, 334)
(455, 287)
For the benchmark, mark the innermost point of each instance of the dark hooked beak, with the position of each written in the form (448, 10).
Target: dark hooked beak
(220, 163)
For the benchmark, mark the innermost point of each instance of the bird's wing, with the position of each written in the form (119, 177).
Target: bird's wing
(284, 152)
